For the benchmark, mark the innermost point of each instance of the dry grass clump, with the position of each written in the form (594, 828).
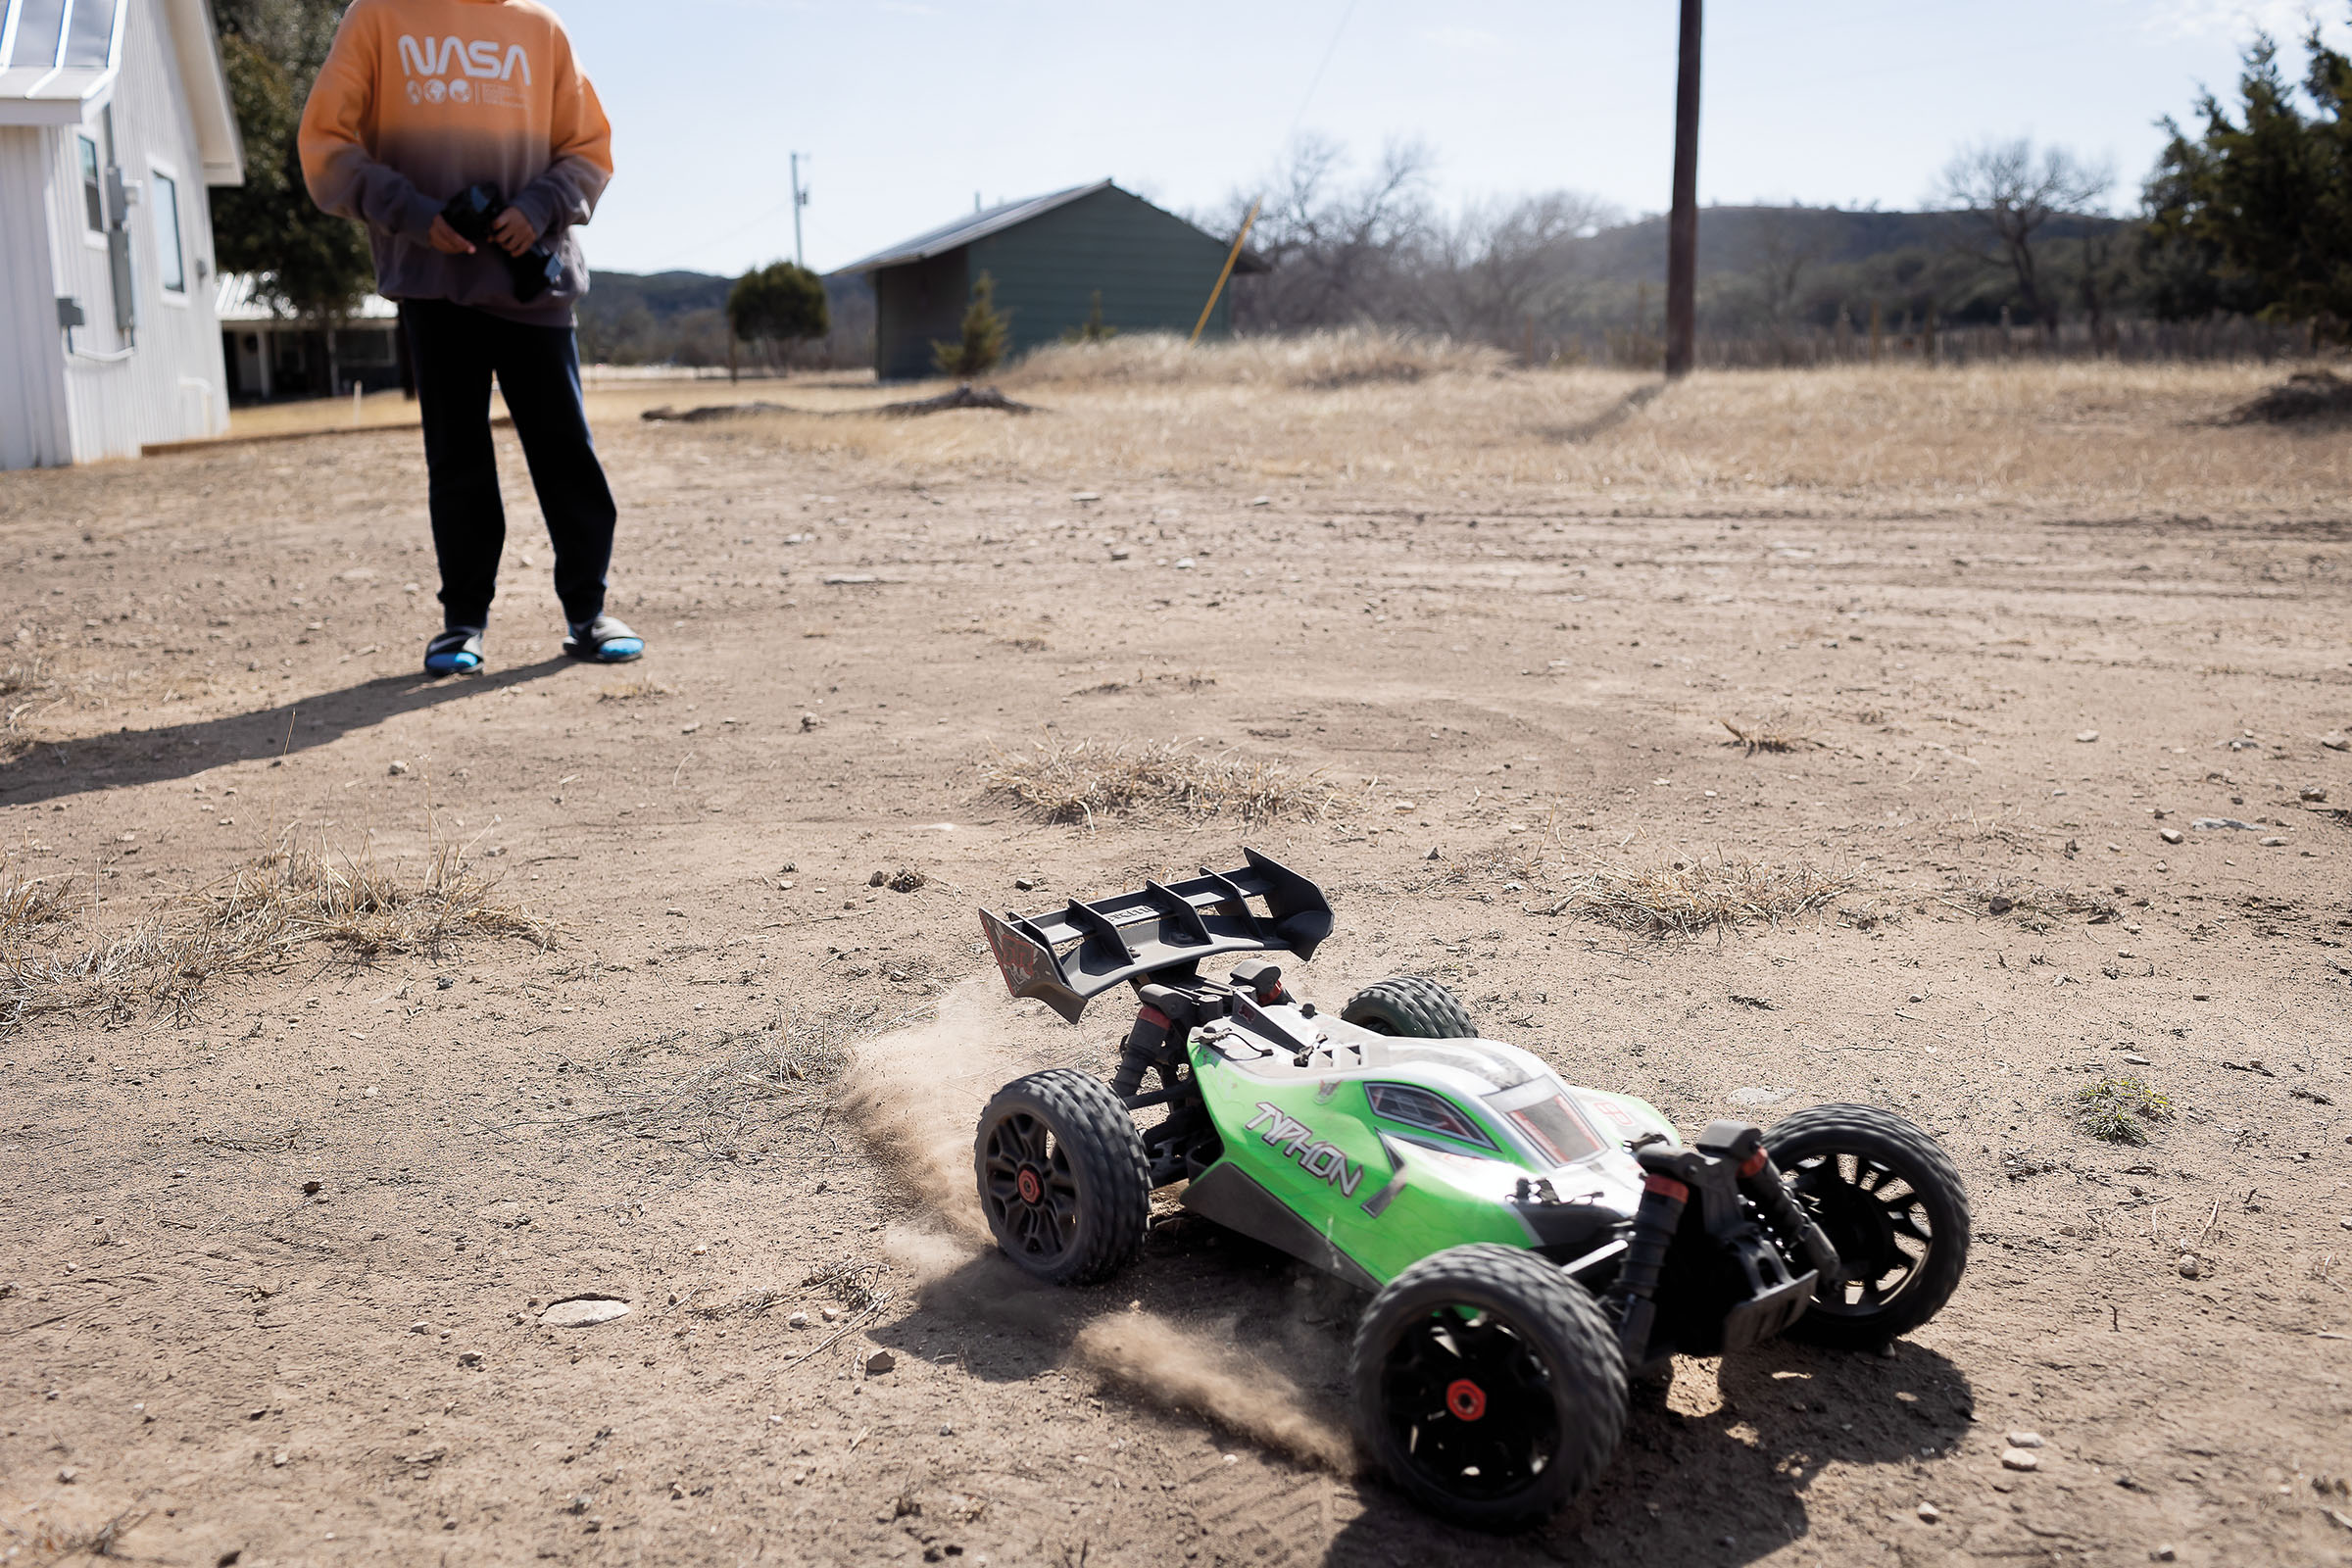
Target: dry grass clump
(1313, 361)
(256, 920)
(1771, 736)
(2306, 396)
(2031, 901)
(1085, 780)
(1690, 896)
(735, 1103)
(643, 689)
(27, 903)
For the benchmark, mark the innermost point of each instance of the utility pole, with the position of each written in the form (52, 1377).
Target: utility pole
(800, 199)
(1682, 225)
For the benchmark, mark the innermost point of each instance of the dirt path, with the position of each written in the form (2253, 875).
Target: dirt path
(663, 1107)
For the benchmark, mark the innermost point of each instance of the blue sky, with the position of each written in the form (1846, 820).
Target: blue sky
(911, 108)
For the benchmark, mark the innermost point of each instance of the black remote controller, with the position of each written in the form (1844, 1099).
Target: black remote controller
(473, 210)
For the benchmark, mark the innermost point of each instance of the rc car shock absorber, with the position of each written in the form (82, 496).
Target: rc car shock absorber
(1761, 1182)
(1657, 1219)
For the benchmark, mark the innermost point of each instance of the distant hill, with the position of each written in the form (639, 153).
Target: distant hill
(680, 319)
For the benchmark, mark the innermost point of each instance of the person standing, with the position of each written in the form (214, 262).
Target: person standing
(418, 101)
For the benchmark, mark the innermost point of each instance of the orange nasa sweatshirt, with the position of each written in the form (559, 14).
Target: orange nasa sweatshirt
(419, 99)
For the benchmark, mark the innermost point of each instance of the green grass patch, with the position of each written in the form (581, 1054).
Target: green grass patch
(2117, 1110)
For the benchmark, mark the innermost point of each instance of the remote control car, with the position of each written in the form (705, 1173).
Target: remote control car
(1528, 1245)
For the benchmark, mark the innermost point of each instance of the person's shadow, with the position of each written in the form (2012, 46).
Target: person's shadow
(129, 757)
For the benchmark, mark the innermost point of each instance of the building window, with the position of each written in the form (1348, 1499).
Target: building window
(93, 188)
(172, 263)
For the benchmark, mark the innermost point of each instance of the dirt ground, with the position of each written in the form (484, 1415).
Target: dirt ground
(2050, 622)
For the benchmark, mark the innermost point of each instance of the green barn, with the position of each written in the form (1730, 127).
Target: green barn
(1048, 255)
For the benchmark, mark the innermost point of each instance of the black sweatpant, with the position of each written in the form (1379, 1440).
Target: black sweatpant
(455, 350)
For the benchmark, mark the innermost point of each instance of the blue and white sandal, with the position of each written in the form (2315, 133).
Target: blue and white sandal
(604, 641)
(457, 651)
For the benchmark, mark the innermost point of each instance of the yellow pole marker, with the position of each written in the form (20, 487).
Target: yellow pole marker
(1232, 257)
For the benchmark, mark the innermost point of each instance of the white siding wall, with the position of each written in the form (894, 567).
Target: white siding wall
(32, 378)
(173, 387)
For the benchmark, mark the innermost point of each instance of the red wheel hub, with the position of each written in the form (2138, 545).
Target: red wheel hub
(1030, 1187)
(1465, 1400)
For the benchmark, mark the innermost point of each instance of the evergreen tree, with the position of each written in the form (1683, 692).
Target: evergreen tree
(985, 331)
(306, 260)
(2255, 213)
(1092, 329)
(778, 304)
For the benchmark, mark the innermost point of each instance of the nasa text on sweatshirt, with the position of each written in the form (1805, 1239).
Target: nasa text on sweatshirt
(419, 99)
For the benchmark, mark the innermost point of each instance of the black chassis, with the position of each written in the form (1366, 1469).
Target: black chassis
(1717, 1258)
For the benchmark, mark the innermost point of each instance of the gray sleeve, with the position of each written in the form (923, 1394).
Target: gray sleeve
(563, 196)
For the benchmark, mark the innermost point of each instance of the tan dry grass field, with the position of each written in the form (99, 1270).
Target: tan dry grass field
(1781, 738)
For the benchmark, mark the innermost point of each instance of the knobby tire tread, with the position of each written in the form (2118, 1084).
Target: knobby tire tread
(1106, 1155)
(1913, 1151)
(1413, 1007)
(1579, 1341)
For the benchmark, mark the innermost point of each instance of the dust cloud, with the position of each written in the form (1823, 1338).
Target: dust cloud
(916, 1095)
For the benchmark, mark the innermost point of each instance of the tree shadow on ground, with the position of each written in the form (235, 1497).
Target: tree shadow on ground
(129, 757)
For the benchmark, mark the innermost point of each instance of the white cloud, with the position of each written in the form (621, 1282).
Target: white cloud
(2240, 19)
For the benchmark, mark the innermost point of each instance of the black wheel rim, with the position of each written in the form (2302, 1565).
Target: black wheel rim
(1027, 1186)
(1878, 1220)
(1469, 1404)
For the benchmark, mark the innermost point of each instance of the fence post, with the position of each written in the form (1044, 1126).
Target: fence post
(1874, 331)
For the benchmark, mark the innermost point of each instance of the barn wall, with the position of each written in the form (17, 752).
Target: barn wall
(33, 391)
(914, 305)
(173, 385)
(1154, 270)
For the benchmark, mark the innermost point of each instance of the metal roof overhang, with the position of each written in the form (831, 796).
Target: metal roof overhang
(59, 61)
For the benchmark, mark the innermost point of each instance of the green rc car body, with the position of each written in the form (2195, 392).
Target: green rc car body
(1528, 1245)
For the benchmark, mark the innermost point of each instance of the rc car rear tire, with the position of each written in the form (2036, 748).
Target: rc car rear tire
(1062, 1178)
(1408, 1004)
(1894, 1206)
(1489, 1386)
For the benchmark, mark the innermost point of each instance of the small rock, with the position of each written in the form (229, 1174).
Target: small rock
(312, 1188)
(2019, 1459)
(280, 1460)
(946, 1429)
(2169, 835)
(1929, 1513)
(2346, 1222)
(1119, 552)
(2336, 743)
(179, 1172)
(2024, 1440)
(832, 1314)
(469, 1358)
(879, 1362)
(907, 881)
(397, 768)
(877, 879)
(1261, 501)
(1184, 564)
(798, 1320)
(2274, 844)
(2163, 1553)
(579, 1504)
(69, 1475)
(1025, 884)
(2133, 1060)
(2189, 1268)
(1999, 905)
(584, 1311)
(1917, 995)
(810, 721)
(2087, 735)
(1434, 854)
(2314, 792)
(421, 1326)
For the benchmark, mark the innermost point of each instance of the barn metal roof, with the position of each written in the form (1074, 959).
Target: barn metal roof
(981, 224)
(238, 301)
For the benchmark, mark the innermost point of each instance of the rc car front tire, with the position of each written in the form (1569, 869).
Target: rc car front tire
(1892, 1205)
(1062, 1178)
(1408, 1004)
(1489, 1386)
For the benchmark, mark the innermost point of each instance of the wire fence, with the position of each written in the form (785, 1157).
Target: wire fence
(2237, 339)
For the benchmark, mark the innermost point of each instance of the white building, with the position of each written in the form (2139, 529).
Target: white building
(115, 117)
(271, 355)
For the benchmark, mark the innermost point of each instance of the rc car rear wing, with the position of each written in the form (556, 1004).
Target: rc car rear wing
(1074, 955)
